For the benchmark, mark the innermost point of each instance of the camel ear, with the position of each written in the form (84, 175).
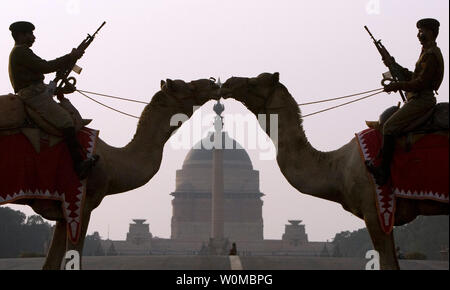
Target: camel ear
(169, 84)
(162, 84)
(276, 77)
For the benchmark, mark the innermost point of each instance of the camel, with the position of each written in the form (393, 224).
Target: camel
(124, 169)
(339, 176)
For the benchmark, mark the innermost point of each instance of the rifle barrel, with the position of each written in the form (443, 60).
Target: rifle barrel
(104, 22)
(369, 33)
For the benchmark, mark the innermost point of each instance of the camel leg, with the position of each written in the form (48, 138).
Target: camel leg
(79, 246)
(383, 243)
(56, 252)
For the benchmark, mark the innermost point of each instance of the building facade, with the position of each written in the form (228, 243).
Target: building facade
(191, 218)
(191, 211)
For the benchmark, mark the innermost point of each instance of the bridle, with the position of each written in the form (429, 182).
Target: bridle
(180, 104)
(266, 100)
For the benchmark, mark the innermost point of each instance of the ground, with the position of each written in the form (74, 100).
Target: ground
(220, 263)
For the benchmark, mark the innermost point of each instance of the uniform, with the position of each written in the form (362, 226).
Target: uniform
(426, 78)
(26, 73)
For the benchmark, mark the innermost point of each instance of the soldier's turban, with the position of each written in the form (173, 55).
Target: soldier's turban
(21, 26)
(429, 23)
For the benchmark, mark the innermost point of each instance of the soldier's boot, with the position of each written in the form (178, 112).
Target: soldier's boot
(382, 172)
(82, 167)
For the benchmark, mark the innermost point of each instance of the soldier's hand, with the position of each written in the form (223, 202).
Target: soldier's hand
(392, 87)
(68, 89)
(76, 53)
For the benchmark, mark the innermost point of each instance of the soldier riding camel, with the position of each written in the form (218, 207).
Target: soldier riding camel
(26, 73)
(426, 78)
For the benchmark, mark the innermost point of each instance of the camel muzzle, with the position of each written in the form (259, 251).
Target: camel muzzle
(225, 93)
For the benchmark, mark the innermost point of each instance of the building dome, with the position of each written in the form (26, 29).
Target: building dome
(233, 154)
(196, 172)
(191, 219)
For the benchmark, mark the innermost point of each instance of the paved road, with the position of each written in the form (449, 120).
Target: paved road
(219, 263)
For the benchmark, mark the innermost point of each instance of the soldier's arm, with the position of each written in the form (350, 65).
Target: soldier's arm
(35, 63)
(403, 74)
(423, 80)
(404, 71)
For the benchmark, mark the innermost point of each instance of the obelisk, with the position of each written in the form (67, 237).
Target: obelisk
(217, 220)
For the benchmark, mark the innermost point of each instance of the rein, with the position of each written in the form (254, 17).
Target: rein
(266, 101)
(181, 105)
(376, 92)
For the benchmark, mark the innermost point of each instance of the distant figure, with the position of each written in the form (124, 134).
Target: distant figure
(204, 250)
(26, 73)
(233, 250)
(426, 78)
(399, 253)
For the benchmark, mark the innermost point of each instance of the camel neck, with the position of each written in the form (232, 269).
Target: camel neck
(137, 162)
(310, 171)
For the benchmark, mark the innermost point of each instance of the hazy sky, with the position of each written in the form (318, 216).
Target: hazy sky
(320, 49)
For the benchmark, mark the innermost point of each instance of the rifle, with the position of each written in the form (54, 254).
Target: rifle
(62, 76)
(395, 72)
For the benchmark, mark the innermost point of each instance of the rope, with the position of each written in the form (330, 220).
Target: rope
(113, 97)
(303, 104)
(377, 91)
(338, 98)
(334, 107)
(111, 108)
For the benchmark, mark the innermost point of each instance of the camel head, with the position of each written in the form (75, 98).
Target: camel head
(179, 93)
(255, 93)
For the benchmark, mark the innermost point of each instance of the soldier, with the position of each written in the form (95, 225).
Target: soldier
(233, 250)
(426, 78)
(26, 73)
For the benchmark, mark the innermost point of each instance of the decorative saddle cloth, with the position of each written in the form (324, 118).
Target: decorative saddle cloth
(48, 174)
(421, 173)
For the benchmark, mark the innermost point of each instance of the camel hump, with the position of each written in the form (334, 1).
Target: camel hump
(12, 112)
(387, 114)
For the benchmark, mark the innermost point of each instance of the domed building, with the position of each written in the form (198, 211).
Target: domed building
(212, 210)
(191, 219)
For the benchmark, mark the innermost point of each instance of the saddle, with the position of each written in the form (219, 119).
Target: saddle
(435, 121)
(15, 117)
